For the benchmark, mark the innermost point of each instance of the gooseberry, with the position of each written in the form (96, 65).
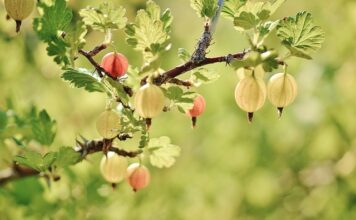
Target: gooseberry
(281, 90)
(250, 94)
(149, 101)
(138, 176)
(115, 64)
(198, 108)
(108, 124)
(19, 10)
(113, 167)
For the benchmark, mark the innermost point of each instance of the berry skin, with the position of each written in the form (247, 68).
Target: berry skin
(149, 101)
(19, 10)
(138, 176)
(281, 90)
(115, 64)
(198, 107)
(250, 95)
(113, 167)
(108, 124)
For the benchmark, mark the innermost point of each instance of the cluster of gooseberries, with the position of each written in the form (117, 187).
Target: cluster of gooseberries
(251, 91)
(114, 169)
(149, 102)
(19, 10)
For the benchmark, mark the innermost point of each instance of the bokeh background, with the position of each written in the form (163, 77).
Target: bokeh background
(299, 167)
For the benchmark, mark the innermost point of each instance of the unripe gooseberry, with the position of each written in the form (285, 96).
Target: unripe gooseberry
(149, 101)
(250, 94)
(19, 10)
(115, 64)
(282, 90)
(113, 167)
(108, 124)
(138, 176)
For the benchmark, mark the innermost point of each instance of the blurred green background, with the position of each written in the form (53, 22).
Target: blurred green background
(299, 167)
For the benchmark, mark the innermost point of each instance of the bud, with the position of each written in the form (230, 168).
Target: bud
(113, 167)
(250, 94)
(149, 101)
(115, 64)
(19, 10)
(138, 176)
(108, 124)
(281, 90)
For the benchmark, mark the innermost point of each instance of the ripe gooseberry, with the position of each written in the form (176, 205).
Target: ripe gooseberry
(19, 10)
(115, 64)
(138, 176)
(108, 124)
(250, 94)
(149, 101)
(198, 108)
(113, 167)
(281, 90)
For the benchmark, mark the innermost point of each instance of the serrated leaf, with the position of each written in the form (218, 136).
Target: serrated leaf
(49, 159)
(75, 38)
(55, 18)
(162, 153)
(203, 76)
(44, 128)
(248, 14)
(30, 159)
(300, 35)
(150, 32)
(66, 156)
(205, 8)
(82, 78)
(105, 17)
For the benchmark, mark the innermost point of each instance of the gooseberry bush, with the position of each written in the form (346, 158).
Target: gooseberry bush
(136, 95)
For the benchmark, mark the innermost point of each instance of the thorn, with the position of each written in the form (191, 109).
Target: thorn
(280, 112)
(250, 117)
(194, 122)
(18, 26)
(148, 123)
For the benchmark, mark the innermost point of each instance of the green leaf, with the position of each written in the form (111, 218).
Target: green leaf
(180, 99)
(205, 8)
(119, 88)
(300, 35)
(203, 76)
(184, 55)
(248, 14)
(150, 32)
(58, 49)
(3, 120)
(53, 22)
(44, 128)
(105, 17)
(66, 156)
(49, 159)
(31, 159)
(82, 78)
(162, 153)
(54, 19)
(246, 21)
(75, 38)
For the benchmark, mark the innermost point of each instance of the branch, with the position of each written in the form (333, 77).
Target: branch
(171, 74)
(85, 148)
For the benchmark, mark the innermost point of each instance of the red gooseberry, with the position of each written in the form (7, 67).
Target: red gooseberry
(115, 64)
(198, 107)
(138, 176)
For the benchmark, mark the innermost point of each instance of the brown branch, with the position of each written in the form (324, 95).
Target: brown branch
(85, 148)
(190, 65)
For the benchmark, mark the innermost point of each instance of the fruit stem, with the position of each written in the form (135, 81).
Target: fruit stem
(18, 25)
(250, 116)
(194, 121)
(280, 112)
